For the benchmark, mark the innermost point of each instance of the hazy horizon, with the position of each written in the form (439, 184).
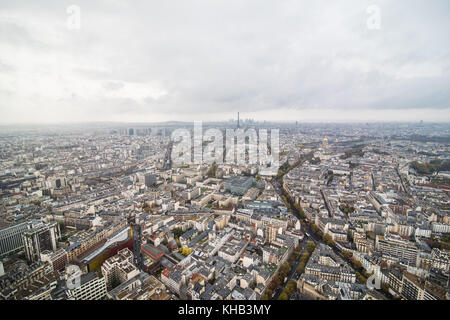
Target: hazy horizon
(226, 121)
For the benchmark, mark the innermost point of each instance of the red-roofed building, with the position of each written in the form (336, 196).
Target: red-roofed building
(152, 252)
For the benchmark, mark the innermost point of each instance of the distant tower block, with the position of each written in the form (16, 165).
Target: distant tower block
(238, 122)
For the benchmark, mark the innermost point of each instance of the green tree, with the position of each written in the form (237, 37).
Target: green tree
(276, 281)
(212, 170)
(357, 265)
(347, 254)
(361, 278)
(301, 267)
(305, 257)
(291, 287)
(286, 267)
(283, 296)
(310, 247)
(370, 235)
(328, 240)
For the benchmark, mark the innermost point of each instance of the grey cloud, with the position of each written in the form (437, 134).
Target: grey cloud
(15, 34)
(113, 85)
(251, 56)
(6, 68)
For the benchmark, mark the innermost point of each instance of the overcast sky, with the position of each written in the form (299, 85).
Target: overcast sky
(190, 60)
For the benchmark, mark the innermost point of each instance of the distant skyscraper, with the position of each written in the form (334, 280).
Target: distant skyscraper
(238, 122)
(131, 132)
